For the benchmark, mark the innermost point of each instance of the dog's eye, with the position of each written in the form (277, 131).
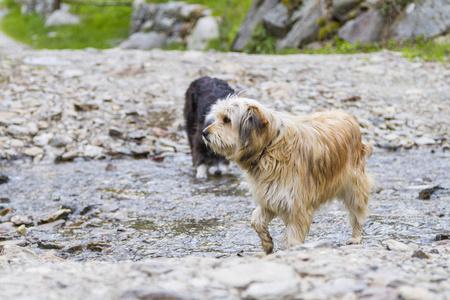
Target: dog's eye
(226, 120)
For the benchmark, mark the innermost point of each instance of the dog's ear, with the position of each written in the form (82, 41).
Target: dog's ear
(252, 120)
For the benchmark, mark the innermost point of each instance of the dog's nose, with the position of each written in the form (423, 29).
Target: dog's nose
(218, 172)
(205, 133)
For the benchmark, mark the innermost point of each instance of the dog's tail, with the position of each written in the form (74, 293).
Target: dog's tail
(366, 150)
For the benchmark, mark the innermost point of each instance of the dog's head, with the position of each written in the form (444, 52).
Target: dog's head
(238, 128)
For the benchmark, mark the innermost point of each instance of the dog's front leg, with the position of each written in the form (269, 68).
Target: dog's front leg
(260, 222)
(297, 227)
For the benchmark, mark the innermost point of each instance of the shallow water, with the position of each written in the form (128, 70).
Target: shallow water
(144, 208)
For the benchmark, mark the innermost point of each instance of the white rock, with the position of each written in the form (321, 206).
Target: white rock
(272, 290)
(396, 245)
(205, 30)
(145, 41)
(243, 275)
(17, 130)
(424, 141)
(42, 139)
(416, 293)
(33, 151)
(59, 17)
(93, 151)
(71, 73)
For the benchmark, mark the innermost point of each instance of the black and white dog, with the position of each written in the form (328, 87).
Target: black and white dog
(200, 96)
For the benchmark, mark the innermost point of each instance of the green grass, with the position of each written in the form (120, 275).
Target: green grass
(422, 48)
(101, 27)
(106, 27)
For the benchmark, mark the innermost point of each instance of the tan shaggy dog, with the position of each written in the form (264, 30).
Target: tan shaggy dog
(293, 164)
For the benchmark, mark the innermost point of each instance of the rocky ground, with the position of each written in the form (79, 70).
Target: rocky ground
(86, 137)
(75, 105)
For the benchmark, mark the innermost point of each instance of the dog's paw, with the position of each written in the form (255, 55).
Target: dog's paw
(268, 250)
(354, 241)
(201, 172)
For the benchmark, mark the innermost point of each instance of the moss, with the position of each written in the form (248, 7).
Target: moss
(261, 42)
(328, 31)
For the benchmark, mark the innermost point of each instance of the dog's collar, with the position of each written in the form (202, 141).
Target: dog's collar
(256, 162)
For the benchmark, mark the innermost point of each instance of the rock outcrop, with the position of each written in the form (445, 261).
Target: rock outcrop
(356, 20)
(184, 24)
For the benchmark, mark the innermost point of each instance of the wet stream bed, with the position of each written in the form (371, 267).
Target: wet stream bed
(135, 209)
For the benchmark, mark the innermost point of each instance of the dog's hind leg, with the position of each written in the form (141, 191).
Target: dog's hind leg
(297, 227)
(260, 222)
(356, 196)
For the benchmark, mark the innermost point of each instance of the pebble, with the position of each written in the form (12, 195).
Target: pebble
(20, 220)
(33, 151)
(3, 178)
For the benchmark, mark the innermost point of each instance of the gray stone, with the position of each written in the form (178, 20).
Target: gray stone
(69, 155)
(205, 30)
(190, 11)
(7, 117)
(272, 290)
(424, 141)
(59, 17)
(93, 151)
(396, 245)
(253, 17)
(42, 139)
(367, 27)
(60, 214)
(243, 275)
(306, 29)
(60, 140)
(427, 18)
(145, 41)
(20, 220)
(416, 293)
(17, 130)
(33, 151)
(3, 179)
(340, 286)
(341, 8)
(315, 244)
(139, 150)
(276, 21)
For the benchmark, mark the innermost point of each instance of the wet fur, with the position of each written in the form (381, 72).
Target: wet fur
(294, 164)
(200, 96)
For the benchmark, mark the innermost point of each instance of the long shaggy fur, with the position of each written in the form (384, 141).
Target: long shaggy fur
(293, 164)
(200, 96)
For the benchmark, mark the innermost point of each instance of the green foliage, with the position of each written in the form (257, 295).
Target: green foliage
(421, 48)
(101, 27)
(328, 30)
(176, 46)
(261, 42)
(292, 4)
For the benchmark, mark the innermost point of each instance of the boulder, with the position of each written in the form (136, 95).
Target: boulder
(60, 17)
(341, 8)
(254, 16)
(276, 21)
(306, 29)
(204, 31)
(367, 27)
(423, 18)
(145, 41)
(191, 11)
